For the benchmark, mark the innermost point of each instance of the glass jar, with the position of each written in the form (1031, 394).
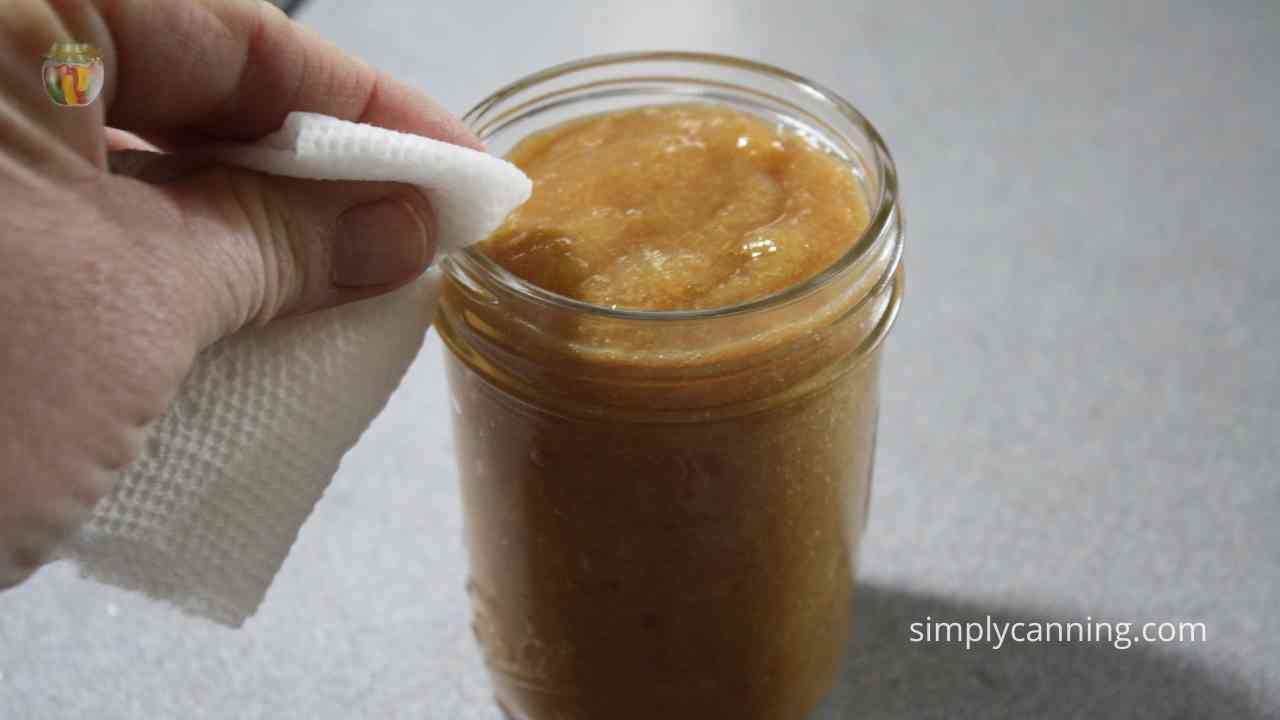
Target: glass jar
(663, 508)
(73, 73)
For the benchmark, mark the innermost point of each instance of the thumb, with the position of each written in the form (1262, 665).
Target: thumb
(261, 247)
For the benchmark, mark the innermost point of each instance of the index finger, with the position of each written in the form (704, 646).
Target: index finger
(232, 69)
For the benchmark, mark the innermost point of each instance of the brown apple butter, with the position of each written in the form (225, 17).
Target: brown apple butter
(677, 207)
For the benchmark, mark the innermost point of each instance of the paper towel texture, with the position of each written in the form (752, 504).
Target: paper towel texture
(470, 191)
(206, 517)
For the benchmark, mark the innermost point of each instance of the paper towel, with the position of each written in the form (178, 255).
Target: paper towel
(206, 517)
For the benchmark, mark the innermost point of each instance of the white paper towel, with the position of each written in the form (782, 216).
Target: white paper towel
(205, 519)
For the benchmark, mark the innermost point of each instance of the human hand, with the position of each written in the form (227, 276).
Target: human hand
(118, 264)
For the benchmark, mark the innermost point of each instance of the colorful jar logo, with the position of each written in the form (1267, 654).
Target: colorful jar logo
(73, 73)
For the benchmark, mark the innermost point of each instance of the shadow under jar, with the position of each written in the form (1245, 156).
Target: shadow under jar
(663, 508)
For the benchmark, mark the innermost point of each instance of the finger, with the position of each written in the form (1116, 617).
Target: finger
(260, 247)
(233, 69)
(37, 513)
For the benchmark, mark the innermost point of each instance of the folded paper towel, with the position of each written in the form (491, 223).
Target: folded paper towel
(205, 518)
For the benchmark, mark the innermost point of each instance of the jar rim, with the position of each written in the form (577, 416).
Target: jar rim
(881, 216)
(61, 50)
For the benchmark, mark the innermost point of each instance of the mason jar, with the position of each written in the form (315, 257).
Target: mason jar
(663, 508)
(73, 73)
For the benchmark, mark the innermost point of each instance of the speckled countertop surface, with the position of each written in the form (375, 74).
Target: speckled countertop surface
(1081, 399)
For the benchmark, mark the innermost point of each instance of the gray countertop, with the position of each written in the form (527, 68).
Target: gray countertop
(1081, 398)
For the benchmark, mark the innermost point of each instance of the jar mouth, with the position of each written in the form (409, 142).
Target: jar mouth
(489, 117)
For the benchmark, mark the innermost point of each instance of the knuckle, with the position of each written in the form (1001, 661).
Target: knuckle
(272, 11)
(23, 552)
(11, 575)
(27, 558)
(269, 258)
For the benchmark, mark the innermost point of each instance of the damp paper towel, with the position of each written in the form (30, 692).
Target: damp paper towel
(205, 518)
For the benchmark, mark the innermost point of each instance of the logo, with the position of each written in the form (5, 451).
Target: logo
(73, 73)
